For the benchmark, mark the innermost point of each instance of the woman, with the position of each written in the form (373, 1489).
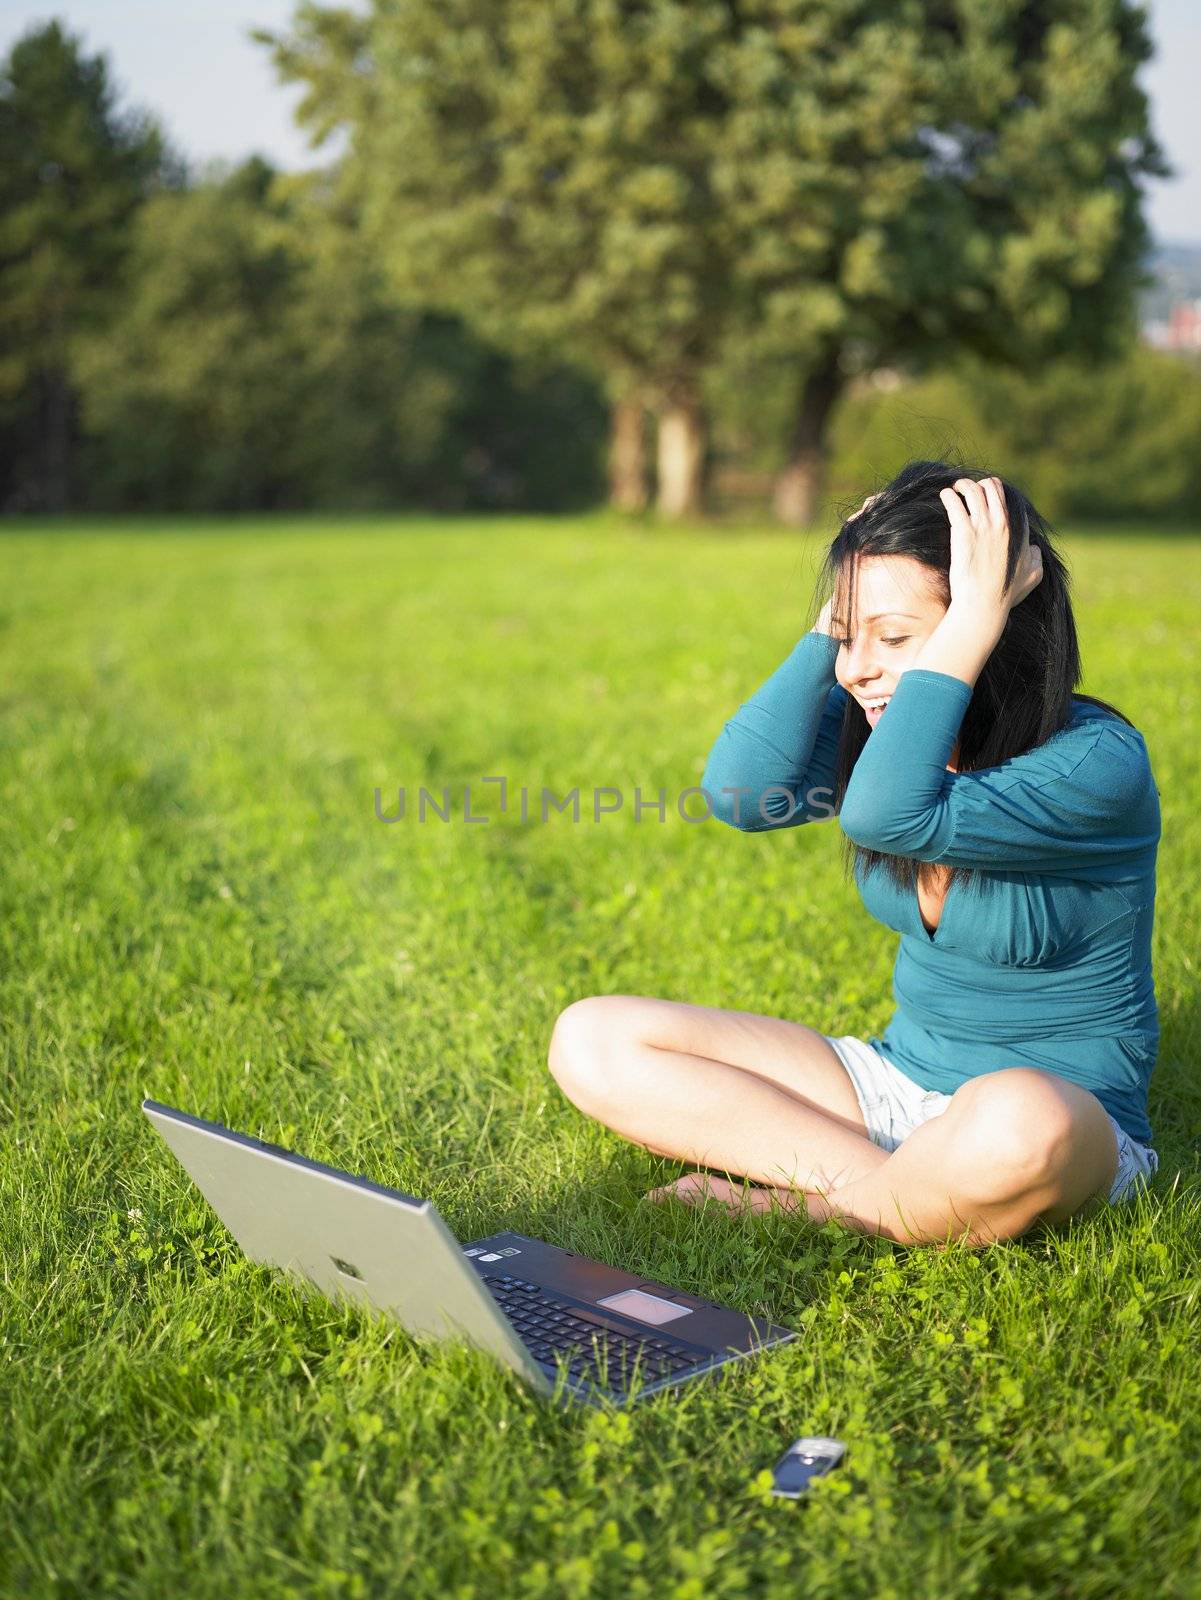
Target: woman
(1004, 826)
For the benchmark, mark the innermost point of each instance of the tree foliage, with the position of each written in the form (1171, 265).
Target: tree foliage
(74, 173)
(1120, 439)
(655, 187)
(255, 362)
(691, 202)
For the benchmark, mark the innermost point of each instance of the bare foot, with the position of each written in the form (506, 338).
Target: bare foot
(694, 1188)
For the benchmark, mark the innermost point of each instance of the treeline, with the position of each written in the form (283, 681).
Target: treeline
(226, 344)
(365, 336)
(1117, 440)
(253, 361)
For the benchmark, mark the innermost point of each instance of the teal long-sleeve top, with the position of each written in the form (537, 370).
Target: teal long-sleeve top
(1046, 960)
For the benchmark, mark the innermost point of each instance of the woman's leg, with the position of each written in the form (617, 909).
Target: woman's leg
(1013, 1148)
(744, 1093)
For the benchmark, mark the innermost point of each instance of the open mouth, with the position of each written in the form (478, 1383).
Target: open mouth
(873, 713)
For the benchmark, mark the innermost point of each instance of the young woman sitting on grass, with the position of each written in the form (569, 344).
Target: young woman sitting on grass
(1006, 827)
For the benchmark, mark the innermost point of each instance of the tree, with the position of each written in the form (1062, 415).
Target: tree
(1085, 440)
(193, 382)
(652, 188)
(256, 362)
(74, 173)
(502, 206)
(984, 175)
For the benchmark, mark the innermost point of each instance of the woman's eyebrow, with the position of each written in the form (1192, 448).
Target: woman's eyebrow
(837, 621)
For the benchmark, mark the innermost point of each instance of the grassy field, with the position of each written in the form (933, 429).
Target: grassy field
(199, 905)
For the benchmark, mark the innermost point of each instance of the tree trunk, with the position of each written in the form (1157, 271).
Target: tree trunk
(799, 486)
(683, 436)
(627, 455)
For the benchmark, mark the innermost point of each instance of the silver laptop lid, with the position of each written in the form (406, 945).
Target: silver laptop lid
(344, 1235)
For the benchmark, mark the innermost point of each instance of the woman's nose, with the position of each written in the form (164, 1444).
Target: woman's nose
(859, 660)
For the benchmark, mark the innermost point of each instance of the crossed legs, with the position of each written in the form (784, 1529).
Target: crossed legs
(769, 1099)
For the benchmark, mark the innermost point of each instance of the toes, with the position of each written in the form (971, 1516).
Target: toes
(691, 1189)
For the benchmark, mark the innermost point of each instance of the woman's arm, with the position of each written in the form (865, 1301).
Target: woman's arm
(1081, 799)
(1085, 798)
(773, 763)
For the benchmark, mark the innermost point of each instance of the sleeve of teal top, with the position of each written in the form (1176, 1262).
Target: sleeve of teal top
(1075, 800)
(775, 758)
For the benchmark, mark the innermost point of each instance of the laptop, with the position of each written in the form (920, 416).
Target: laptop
(576, 1330)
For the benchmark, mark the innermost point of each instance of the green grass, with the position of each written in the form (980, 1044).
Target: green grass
(199, 905)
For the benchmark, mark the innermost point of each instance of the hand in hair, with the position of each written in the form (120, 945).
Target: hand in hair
(823, 623)
(980, 552)
(871, 499)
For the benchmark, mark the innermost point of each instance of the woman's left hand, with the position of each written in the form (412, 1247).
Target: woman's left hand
(980, 553)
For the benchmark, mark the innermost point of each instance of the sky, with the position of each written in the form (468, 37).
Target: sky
(214, 91)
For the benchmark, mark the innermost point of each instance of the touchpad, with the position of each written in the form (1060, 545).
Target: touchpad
(644, 1307)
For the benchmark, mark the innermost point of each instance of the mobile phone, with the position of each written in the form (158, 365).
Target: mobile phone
(804, 1460)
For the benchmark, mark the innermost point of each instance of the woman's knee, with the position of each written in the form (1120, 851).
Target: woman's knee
(1014, 1131)
(586, 1046)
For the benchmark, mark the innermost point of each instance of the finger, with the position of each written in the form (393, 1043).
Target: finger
(956, 510)
(973, 495)
(994, 494)
(1029, 584)
(958, 516)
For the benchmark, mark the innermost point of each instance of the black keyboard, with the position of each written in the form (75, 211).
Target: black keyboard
(548, 1326)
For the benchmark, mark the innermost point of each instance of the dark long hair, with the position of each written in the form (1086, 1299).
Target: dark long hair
(1024, 693)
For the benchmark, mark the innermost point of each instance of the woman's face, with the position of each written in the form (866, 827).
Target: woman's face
(894, 616)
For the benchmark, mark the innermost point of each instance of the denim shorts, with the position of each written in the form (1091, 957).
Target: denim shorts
(893, 1106)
